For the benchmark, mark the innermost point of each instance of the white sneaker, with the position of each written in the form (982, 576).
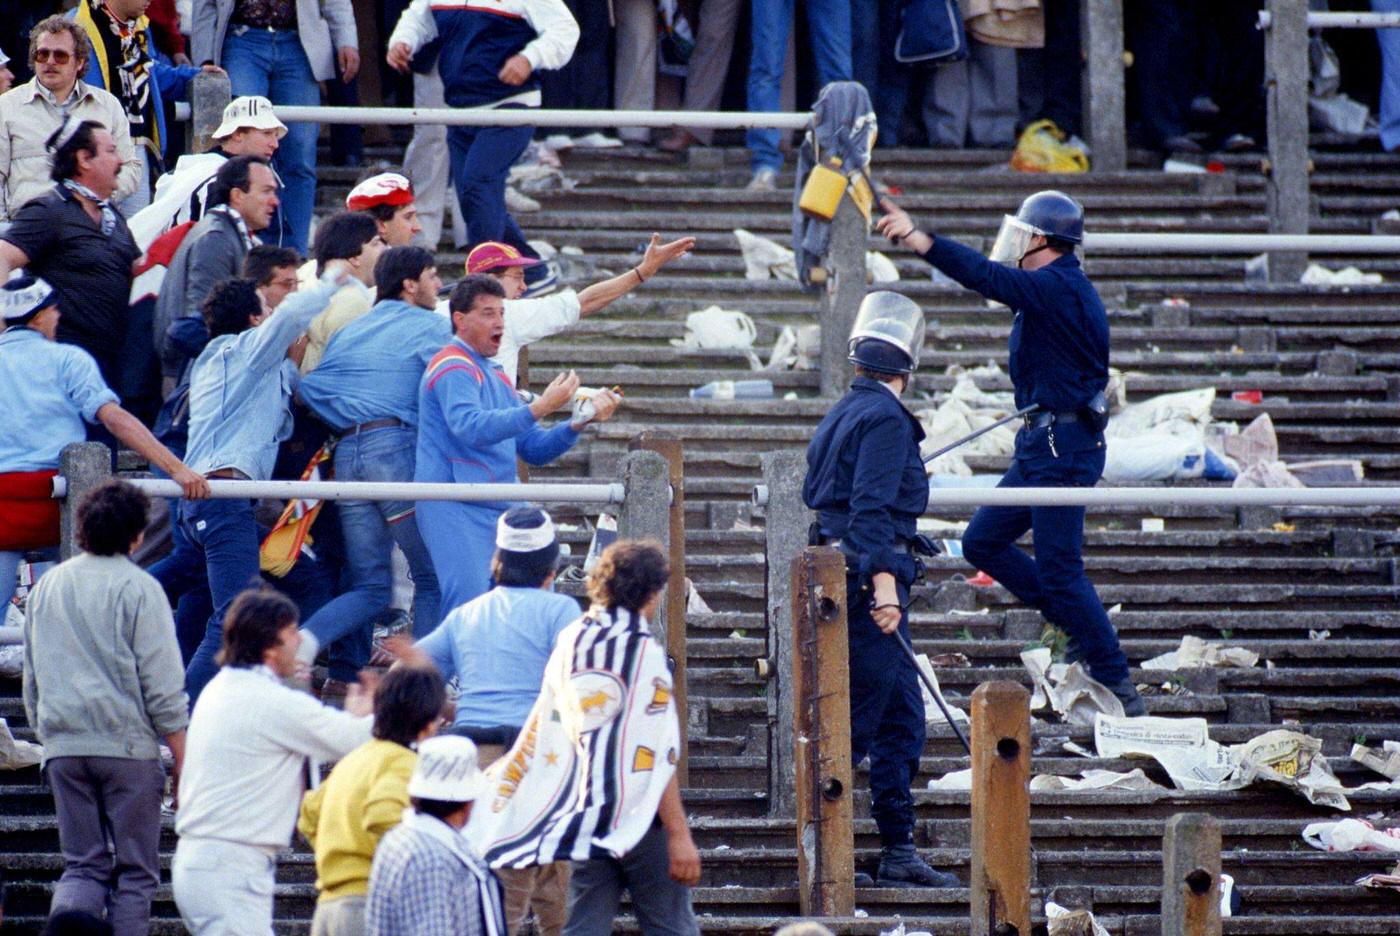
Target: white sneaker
(764, 180)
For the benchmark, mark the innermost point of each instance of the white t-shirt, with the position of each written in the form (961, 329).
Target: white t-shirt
(528, 321)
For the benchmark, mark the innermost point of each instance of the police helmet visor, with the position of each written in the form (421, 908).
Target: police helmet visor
(892, 318)
(1013, 240)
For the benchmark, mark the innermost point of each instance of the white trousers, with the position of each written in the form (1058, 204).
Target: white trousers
(223, 888)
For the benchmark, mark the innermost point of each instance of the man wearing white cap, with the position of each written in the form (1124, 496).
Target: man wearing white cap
(388, 199)
(52, 390)
(249, 128)
(497, 646)
(426, 879)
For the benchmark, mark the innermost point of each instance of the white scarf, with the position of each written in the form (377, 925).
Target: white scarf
(586, 775)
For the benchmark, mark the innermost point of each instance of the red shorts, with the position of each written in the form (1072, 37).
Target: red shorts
(28, 510)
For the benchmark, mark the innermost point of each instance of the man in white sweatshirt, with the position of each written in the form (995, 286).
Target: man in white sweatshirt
(248, 746)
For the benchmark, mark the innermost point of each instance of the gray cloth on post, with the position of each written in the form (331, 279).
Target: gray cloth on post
(843, 126)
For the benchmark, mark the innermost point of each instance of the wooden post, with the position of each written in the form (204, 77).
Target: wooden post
(83, 465)
(1286, 104)
(822, 730)
(842, 290)
(210, 93)
(669, 448)
(785, 534)
(1103, 84)
(1001, 810)
(1191, 876)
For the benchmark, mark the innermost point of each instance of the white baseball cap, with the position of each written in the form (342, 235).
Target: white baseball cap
(24, 297)
(252, 111)
(446, 771)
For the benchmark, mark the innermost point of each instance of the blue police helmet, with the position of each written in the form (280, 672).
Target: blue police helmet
(879, 356)
(1054, 214)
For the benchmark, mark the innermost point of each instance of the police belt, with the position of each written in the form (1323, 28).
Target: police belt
(898, 546)
(1041, 420)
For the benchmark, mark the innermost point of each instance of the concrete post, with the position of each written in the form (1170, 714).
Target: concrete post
(84, 465)
(1001, 810)
(646, 514)
(843, 289)
(1286, 83)
(1191, 876)
(822, 732)
(785, 530)
(210, 93)
(669, 448)
(1102, 29)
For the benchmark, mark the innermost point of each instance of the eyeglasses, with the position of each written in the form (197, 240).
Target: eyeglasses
(59, 56)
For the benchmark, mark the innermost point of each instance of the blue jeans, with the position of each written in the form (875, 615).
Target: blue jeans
(225, 534)
(481, 160)
(369, 528)
(182, 575)
(274, 65)
(1054, 581)
(1389, 41)
(830, 31)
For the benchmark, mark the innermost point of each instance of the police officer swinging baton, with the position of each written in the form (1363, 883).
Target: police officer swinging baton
(1019, 414)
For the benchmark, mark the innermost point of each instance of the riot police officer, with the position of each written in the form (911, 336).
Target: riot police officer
(868, 487)
(1059, 361)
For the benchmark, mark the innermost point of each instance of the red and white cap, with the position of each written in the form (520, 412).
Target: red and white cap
(387, 188)
(493, 255)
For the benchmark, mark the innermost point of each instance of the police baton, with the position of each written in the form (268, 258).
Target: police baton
(1024, 411)
(932, 690)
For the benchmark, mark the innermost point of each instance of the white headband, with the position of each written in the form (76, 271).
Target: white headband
(20, 305)
(524, 539)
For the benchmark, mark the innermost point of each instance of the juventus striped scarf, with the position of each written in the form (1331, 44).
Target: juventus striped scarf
(585, 776)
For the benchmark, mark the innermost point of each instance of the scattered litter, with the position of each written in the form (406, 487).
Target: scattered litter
(961, 411)
(1255, 448)
(1164, 439)
(950, 660)
(981, 580)
(1153, 525)
(1184, 748)
(1074, 747)
(1282, 527)
(694, 604)
(1044, 147)
(1385, 761)
(1351, 835)
(734, 390)
(16, 754)
(721, 848)
(1229, 900)
(931, 712)
(517, 201)
(1096, 780)
(604, 535)
(952, 782)
(12, 661)
(1062, 922)
(1195, 653)
(1318, 275)
(796, 349)
(861, 914)
(533, 178)
(1067, 690)
(1387, 881)
(716, 329)
(1318, 634)
(1181, 165)
(1328, 472)
(880, 268)
(765, 258)
(594, 140)
(1253, 397)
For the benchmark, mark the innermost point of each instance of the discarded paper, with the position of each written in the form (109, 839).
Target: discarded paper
(717, 329)
(1385, 761)
(1351, 835)
(16, 754)
(1195, 653)
(1067, 690)
(931, 712)
(952, 782)
(1096, 780)
(1060, 921)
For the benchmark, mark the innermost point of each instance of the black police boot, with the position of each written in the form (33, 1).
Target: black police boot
(1127, 693)
(901, 866)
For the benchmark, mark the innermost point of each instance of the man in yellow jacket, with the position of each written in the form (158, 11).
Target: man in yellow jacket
(365, 795)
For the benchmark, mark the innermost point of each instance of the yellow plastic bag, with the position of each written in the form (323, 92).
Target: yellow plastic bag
(1044, 147)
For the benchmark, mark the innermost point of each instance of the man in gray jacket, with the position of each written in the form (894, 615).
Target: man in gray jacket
(102, 684)
(242, 198)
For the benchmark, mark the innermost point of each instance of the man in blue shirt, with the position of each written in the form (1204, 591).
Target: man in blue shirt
(52, 392)
(240, 389)
(867, 484)
(473, 425)
(1059, 362)
(366, 389)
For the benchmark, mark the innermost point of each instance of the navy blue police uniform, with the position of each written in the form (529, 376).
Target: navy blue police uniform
(868, 486)
(1059, 361)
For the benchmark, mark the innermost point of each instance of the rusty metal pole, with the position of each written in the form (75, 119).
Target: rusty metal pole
(1001, 810)
(822, 734)
(1191, 876)
(669, 448)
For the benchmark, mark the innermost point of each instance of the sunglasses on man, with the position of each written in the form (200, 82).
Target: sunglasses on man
(59, 56)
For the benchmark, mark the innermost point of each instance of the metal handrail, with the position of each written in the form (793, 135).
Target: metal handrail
(541, 117)
(383, 490)
(1245, 243)
(1343, 20)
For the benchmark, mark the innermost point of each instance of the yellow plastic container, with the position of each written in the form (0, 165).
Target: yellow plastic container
(821, 194)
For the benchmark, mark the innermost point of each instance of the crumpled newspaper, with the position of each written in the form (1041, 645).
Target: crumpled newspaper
(1388, 881)
(1351, 835)
(716, 329)
(1195, 653)
(1060, 921)
(1194, 761)
(1097, 780)
(931, 712)
(1255, 447)
(16, 754)
(1386, 761)
(1068, 690)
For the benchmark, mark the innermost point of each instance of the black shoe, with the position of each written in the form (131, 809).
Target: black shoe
(901, 866)
(1127, 693)
(864, 880)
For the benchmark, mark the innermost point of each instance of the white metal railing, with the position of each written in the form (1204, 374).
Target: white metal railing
(381, 491)
(1344, 20)
(541, 117)
(1151, 497)
(1245, 243)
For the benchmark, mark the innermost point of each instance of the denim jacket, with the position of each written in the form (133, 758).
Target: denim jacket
(240, 388)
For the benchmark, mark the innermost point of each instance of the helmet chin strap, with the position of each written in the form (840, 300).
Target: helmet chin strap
(1020, 264)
